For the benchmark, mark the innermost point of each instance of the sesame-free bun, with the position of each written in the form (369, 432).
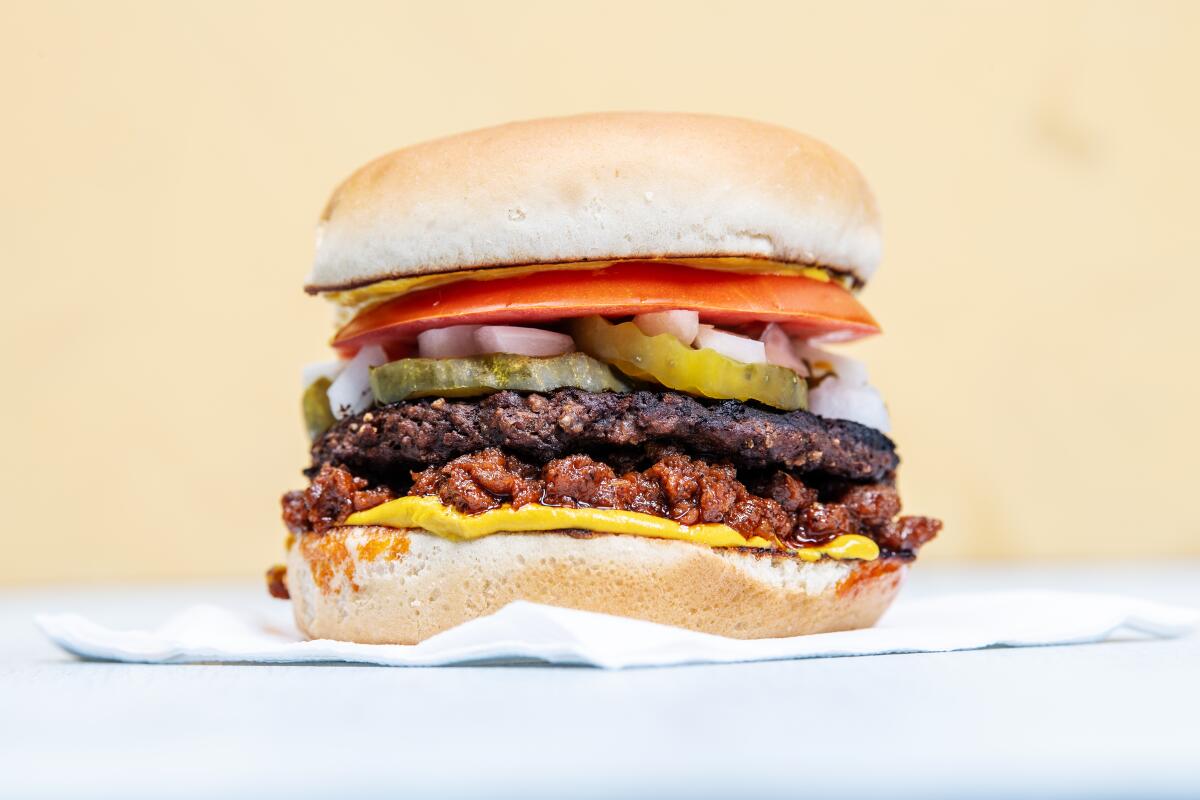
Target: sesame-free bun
(380, 585)
(598, 187)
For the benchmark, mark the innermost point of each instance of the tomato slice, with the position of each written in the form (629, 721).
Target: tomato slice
(805, 307)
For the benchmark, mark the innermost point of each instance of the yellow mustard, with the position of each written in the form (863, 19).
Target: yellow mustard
(429, 514)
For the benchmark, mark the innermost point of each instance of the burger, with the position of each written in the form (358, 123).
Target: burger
(584, 362)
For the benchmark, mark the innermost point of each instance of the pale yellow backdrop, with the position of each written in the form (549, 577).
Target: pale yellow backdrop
(163, 164)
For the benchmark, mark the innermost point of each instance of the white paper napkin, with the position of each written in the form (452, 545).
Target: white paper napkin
(528, 632)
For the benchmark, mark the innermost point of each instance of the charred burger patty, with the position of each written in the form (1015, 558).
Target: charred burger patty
(403, 435)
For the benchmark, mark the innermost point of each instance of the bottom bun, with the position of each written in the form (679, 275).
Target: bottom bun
(380, 585)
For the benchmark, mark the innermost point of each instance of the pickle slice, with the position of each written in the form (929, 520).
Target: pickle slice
(318, 416)
(465, 377)
(668, 361)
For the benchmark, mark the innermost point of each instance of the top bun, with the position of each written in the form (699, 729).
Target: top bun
(598, 187)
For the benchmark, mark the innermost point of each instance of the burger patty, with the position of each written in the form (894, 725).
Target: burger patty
(541, 427)
(775, 506)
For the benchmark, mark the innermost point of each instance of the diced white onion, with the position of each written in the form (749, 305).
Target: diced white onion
(861, 404)
(456, 341)
(851, 370)
(350, 393)
(522, 341)
(320, 369)
(833, 337)
(780, 351)
(462, 341)
(683, 325)
(847, 394)
(739, 348)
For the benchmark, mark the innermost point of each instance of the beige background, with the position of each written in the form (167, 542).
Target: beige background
(163, 165)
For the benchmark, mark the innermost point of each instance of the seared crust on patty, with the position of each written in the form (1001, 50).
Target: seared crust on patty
(546, 426)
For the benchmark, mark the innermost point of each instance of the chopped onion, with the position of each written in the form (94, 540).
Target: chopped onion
(522, 341)
(850, 370)
(350, 393)
(846, 394)
(739, 348)
(456, 341)
(833, 337)
(683, 325)
(835, 399)
(320, 369)
(780, 351)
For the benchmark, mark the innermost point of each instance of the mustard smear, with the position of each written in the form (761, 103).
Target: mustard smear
(430, 515)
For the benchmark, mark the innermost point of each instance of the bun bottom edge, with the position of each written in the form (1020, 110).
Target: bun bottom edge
(384, 586)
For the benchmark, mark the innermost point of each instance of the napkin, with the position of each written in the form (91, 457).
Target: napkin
(528, 632)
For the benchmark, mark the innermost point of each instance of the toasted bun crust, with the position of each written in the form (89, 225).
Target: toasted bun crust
(598, 187)
(379, 585)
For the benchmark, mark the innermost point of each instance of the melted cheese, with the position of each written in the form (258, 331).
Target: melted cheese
(428, 514)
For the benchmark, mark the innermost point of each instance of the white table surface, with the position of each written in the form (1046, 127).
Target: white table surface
(1120, 719)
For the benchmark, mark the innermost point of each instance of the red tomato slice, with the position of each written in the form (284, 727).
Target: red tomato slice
(804, 306)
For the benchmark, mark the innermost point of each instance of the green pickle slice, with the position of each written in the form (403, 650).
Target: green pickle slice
(318, 416)
(466, 377)
(672, 363)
